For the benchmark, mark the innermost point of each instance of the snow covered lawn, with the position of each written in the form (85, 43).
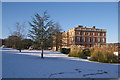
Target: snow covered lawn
(28, 64)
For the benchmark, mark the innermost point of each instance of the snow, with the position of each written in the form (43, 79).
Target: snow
(28, 64)
(116, 53)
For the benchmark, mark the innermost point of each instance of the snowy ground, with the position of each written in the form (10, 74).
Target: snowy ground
(28, 64)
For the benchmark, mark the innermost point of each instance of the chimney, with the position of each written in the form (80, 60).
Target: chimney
(93, 27)
(80, 26)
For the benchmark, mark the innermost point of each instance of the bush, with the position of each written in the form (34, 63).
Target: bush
(65, 50)
(77, 51)
(103, 54)
(86, 51)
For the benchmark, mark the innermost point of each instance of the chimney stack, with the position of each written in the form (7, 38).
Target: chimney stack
(80, 26)
(93, 27)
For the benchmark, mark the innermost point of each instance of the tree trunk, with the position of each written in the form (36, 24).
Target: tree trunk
(56, 44)
(56, 47)
(19, 50)
(42, 53)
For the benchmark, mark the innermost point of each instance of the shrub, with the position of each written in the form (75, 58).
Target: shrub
(103, 54)
(77, 51)
(65, 50)
(86, 51)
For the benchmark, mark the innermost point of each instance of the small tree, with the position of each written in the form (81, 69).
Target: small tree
(19, 30)
(15, 39)
(27, 43)
(14, 42)
(40, 29)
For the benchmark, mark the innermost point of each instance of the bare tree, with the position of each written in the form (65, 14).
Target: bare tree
(17, 34)
(57, 36)
(19, 30)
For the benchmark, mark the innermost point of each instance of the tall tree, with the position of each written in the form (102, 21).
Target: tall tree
(40, 29)
(55, 31)
(57, 36)
(27, 43)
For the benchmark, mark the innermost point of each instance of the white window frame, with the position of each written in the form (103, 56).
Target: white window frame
(98, 34)
(93, 33)
(98, 39)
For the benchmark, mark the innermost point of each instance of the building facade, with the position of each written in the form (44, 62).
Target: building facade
(83, 36)
(87, 37)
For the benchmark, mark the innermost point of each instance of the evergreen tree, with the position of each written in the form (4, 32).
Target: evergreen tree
(40, 32)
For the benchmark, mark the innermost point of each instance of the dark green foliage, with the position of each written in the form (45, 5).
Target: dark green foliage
(86, 51)
(65, 50)
(83, 55)
(13, 41)
(27, 43)
(17, 43)
(41, 30)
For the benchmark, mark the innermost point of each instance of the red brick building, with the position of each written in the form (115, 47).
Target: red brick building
(83, 36)
(87, 37)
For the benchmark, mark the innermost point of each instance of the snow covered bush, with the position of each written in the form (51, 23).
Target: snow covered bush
(103, 54)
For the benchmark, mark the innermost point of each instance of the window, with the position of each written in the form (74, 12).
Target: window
(87, 33)
(98, 39)
(103, 34)
(93, 33)
(78, 38)
(98, 34)
(93, 40)
(82, 33)
(83, 40)
(87, 39)
(103, 40)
